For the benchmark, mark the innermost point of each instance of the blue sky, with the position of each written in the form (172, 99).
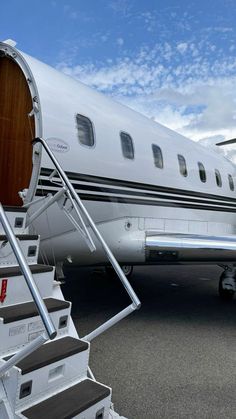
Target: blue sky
(174, 61)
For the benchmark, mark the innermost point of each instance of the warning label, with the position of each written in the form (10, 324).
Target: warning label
(17, 330)
(3, 292)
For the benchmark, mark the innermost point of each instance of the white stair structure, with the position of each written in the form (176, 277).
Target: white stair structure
(44, 369)
(52, 381)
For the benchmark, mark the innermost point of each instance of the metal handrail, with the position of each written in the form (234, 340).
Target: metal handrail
(72, 193)
(42, 309)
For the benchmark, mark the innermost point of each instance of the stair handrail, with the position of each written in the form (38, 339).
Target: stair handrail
(72, 193)
(42, 309)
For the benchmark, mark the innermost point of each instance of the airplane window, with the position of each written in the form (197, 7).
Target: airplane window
(127, 145)
(218, 178)
(182, 165)
(85, 130)
(157, 154)
(231, 182)
(202, 172)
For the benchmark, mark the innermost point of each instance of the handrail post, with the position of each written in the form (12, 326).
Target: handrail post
(51, 331)
(108, 252)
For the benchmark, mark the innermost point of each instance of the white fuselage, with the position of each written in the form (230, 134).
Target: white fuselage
(126, 198)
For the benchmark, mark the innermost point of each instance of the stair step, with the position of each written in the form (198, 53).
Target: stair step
(15, 287)
(52, 352)
(3, 237)
(23, 311)
(17, 219)
(15, 270)
(29, 244)
(51, 368)
(71, 402)
(9, 208)
(21, 323)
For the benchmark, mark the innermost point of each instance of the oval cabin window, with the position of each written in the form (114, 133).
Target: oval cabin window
(182, 165)
(85, 130)
(127, 145)
(202, 172)
(218, 178)
(157, 155)
(231, 182)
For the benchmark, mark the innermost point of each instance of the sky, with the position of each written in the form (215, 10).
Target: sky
(174, 61)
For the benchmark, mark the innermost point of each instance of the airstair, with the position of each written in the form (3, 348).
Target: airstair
(44, 365)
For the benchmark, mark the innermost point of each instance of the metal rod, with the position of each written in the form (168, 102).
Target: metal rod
(87, 235)
(46, 204)
(110, 255)
(27, 350)
(42, 309)
(36, 201)
(109, 323)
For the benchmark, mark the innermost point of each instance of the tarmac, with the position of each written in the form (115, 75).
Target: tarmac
(176, 356)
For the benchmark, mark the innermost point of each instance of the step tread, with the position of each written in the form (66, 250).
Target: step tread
(15, 270)
(51, 352)
(9, 208)
(23, 311)
(69, 403)
(3, 237)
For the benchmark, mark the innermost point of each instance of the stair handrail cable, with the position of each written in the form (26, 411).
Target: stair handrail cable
(42, 309)
(72, 193)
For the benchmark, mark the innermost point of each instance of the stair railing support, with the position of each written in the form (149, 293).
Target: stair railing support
(73, 196)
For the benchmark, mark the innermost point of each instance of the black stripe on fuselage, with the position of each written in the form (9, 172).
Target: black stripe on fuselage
(139, 201)
(44, 183)
(137, 185)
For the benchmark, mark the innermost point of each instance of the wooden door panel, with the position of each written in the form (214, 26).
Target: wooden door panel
(15, 132)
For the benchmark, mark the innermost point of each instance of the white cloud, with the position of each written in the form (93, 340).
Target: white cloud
(122, 7)
(182, 47)
(120, 41)
(221, 29)
(195, 95)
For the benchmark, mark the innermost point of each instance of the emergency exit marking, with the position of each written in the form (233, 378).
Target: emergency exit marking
(3, 293)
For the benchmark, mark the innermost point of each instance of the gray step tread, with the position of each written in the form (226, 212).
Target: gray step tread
(15, 270)
(23, 311)
(3, 237)
(51, 352)
(9, 208)
(69, 403)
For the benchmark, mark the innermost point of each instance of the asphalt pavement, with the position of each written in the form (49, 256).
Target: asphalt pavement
(176, 356)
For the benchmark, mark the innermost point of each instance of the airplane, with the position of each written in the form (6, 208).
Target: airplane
(156, 196)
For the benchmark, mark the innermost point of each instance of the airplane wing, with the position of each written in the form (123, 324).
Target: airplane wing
(227, 142)
(189, 248)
